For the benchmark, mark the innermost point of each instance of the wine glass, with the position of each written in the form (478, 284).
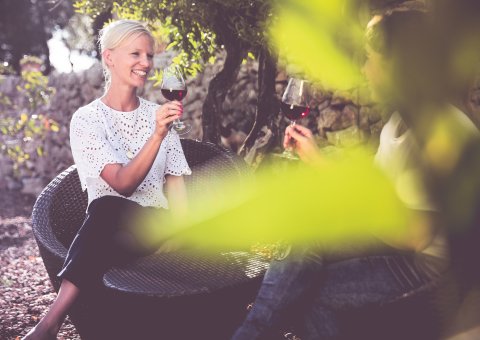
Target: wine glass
(174, 88)
(295, 105)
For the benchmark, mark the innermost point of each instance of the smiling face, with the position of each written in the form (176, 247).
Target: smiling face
(130, 62)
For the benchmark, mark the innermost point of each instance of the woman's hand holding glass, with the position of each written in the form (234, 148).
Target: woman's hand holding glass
(165, 116)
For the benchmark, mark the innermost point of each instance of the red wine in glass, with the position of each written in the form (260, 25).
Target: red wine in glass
(174, 94)
(294, 112)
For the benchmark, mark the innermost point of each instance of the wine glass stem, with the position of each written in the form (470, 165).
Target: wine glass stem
(291, 143)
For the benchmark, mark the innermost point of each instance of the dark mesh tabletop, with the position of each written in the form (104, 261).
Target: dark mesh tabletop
(185, 273)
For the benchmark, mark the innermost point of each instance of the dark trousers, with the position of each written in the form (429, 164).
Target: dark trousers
(104, 240)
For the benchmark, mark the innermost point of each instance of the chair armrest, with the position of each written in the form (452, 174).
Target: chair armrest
(41, 218)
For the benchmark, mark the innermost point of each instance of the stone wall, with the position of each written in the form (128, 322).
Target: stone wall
(335, 118)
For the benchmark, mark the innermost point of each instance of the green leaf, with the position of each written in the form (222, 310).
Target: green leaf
(171, 45)
(313, 37)
(54, 127)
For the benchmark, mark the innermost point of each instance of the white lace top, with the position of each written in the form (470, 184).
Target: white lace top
(100, 135)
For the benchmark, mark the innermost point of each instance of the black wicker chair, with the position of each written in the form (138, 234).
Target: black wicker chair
(161, 296)
(425, 313)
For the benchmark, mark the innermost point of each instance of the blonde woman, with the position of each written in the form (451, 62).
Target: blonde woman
(125, 155)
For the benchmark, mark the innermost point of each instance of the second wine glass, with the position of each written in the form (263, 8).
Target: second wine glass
(174, 88)
(295, 105)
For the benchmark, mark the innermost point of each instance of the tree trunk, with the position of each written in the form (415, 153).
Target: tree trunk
(40, 11)
(267, 109)
(97, 24)
(217, 90)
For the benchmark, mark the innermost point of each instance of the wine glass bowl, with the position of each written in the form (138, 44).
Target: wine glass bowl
(171, 94)
(174, 88)
(294, 112)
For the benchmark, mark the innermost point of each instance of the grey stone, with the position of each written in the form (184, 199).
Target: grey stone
(76, 102)
(376, 128)
(94, 75)
(323, 103)
(194, 107)
(363, 117)
(327, 118)
(347, 137)
(3, 183)
(88, 92)
(32, 186)
(13, 184)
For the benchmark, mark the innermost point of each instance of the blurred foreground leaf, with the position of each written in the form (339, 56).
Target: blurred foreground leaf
(332, 202)
(321, 39)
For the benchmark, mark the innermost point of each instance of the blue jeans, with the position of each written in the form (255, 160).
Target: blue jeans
(285, 283)
(317, 289)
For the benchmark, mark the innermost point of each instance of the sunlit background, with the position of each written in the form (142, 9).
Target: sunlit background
(62, 58)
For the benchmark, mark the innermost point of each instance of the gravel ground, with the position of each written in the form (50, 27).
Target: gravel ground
(25, 289)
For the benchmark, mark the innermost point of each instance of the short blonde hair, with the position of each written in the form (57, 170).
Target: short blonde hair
(114, 34)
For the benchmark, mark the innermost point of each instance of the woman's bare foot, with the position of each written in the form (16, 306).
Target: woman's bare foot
(50, 324)
(42, 331)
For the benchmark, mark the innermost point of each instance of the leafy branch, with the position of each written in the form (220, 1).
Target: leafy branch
(23, 124)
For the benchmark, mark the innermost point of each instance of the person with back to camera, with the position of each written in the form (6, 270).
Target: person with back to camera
(125, 155)
(316, 284)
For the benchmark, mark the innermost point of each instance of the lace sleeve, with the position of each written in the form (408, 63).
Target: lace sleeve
(176, 164)
(91, 149)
